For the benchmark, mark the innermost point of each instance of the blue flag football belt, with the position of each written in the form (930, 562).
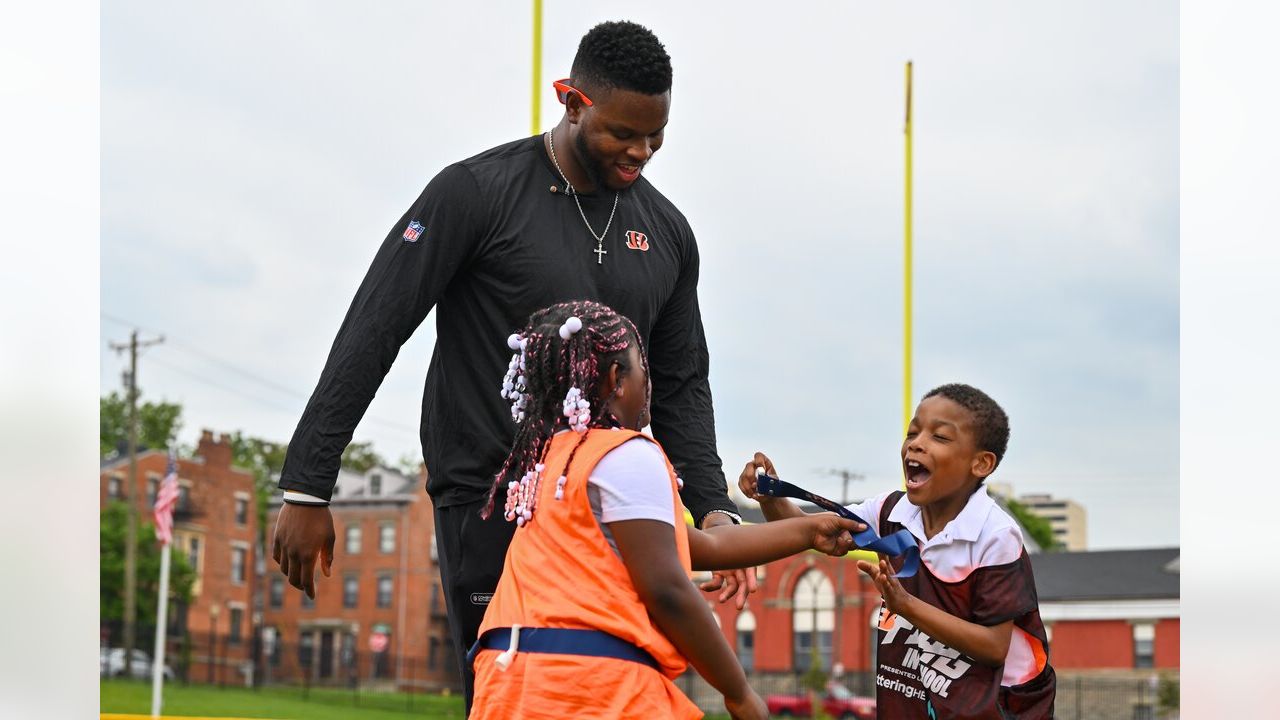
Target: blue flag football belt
(560, 641)
(901, 542)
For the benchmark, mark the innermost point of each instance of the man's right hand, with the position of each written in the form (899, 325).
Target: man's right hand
(302, 533)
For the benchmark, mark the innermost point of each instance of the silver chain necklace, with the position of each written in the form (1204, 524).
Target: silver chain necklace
(599, 251)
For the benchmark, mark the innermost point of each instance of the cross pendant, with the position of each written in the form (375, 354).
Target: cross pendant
(600, 252)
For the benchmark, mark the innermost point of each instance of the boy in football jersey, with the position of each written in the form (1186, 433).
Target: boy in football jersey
(962, 639)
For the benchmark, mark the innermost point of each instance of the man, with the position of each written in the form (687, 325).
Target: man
(563, 216)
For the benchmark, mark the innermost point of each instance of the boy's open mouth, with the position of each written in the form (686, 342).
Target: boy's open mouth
(916, 473)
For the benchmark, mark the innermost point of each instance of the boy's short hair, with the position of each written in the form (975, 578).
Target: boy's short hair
(622, 55)
(990, 423)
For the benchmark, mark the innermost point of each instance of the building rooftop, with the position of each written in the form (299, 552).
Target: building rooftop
(1108, 574)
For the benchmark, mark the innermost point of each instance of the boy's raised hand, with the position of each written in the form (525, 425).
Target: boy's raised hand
(833, 534)
(895, 598)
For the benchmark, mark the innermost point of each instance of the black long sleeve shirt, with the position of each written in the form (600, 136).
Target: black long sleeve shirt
(500, 238)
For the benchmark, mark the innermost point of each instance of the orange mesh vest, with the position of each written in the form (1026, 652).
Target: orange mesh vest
(561, 573)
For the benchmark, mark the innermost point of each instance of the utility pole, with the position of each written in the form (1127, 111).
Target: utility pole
(837, 640)
(131, 530)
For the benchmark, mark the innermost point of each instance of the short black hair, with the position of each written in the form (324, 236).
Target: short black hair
(624, 55)
(991, 424)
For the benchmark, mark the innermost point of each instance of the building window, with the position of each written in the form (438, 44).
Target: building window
(431, 654)
(113, 488)
(813, 617)
(307, 602)
(1144, 640)
(435, 598)
(746, 628)
(193, 553)
(242, 511)
(350, 591)
(237, 565)
(237, 619)
(353, 539)
(153, 487)
(277, 592)
(375, 484)
(435, 554)
(387, 537)
(384, 591)
(184, 499)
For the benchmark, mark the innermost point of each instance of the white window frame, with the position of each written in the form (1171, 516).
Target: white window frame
(382, 534)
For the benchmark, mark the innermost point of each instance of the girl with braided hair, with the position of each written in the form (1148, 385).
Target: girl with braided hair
(595, 613)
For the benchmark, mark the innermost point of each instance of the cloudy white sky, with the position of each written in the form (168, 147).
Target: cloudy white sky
(254, 155)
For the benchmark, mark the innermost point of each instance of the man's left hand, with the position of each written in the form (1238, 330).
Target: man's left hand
(736, 584)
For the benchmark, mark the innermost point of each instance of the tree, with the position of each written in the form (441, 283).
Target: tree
(1039, 528)
(158, 423)
(111, 537)
(361, 457)
(265, 459)
(410, 465)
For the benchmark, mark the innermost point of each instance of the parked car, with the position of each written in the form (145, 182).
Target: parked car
(837, 702)
(111, 664)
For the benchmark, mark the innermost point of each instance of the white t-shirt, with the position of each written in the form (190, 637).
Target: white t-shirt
(631, 483)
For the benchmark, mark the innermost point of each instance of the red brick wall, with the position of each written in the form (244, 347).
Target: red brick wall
(1167, 650)
(1080, 644)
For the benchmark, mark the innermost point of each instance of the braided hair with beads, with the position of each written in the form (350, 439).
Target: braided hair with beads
(561, 358)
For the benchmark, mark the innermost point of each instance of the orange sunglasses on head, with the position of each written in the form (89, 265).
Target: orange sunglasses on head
(563, 88)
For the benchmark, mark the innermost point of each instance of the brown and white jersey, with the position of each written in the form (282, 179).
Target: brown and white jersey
(976, 569)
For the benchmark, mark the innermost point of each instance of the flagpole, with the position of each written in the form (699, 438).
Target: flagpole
(536, 114)
(906, 284)
(157, 658)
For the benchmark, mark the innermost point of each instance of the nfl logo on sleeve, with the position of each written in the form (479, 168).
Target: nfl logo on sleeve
(413, 232)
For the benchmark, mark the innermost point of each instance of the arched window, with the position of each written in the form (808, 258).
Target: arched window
(812, 619)
(746, 628)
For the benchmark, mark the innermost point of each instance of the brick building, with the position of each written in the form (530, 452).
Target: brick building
(1111, 610)
(381, 616)
(215, 529)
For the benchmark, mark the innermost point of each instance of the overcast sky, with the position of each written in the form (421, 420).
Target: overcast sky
(255, 154)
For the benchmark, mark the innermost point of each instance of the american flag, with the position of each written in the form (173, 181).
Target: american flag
(166, 500)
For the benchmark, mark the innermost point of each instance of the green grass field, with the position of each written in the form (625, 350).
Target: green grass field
(121, 696)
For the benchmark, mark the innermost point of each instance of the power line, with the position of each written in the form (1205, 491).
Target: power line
(228, 366)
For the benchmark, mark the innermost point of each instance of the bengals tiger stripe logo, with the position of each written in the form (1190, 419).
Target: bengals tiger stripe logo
(637, 240)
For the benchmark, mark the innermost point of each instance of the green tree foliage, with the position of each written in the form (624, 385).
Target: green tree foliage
(265, 459)
(111, 540)
(361, 457)
(158, 423)
(410, 465)
(1168, 695)
(1039, 528)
